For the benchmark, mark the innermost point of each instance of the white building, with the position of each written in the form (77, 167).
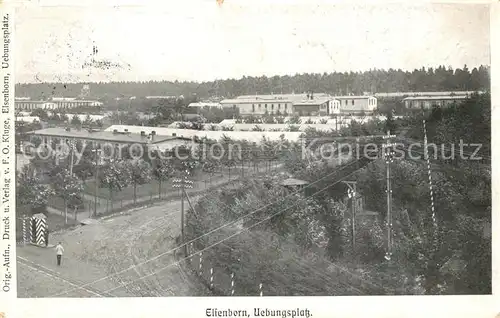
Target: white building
(427, 102)
(316, 107)
(259, 106)
(54, 103)
(357, 104)
(284, 104)
(205, 105)
(291, 97)
(73, 103)
(111, 138)
(30, 105)
(251, 136)
(28, 119)
(416, 94)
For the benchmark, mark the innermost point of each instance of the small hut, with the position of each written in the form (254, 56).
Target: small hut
(292, 184)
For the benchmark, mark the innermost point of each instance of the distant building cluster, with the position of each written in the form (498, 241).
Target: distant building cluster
(55, 103)
(308, 104)
(427, 100)
(439, 99)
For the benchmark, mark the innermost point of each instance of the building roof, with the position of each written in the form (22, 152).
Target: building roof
(400, 94)
(253, 100)
(311, 102)
(79, 101)
(353, 97)
(34, 102)
(55, 101)
(290, 97)
(367, 213)
(161, 97)
(293, 182)
(252, 136)
(100, 135)
(204, 104)
(424, 98)
(63, 98)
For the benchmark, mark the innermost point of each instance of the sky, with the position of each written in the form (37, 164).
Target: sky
(199, 40)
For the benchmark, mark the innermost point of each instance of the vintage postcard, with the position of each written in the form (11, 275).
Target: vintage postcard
(240, 158)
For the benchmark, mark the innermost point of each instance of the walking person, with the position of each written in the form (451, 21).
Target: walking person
(59, 253)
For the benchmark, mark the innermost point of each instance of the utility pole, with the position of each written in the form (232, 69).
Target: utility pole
(71, 146)
(351, 194)
(388, 156)
(96, 176)
(357, 154)
(183, 183)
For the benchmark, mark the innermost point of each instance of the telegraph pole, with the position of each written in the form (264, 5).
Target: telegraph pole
(357, 154)
(71, 146)
(388, 156)
(183, 183)
(96, 176)
(351, 194)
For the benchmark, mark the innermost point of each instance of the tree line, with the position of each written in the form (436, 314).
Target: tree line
(440, 78)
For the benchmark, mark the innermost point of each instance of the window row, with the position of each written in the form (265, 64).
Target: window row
(272, 107)
(371, 102)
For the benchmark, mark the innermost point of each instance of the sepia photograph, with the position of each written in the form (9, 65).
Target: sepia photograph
(224, 148)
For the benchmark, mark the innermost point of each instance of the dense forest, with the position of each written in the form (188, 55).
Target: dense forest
(424, 79)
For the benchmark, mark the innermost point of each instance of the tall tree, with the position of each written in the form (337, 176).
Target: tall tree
(31, 191)
(75, 121)
(115, 176)
(140, 173)
(162, 171)
(70, 189)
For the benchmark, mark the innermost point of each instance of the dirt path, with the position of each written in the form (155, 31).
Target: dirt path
(114, 254)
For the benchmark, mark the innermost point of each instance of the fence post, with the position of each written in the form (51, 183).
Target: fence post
(201, 263)
(24, 231)
(211, 278)
(232, 284)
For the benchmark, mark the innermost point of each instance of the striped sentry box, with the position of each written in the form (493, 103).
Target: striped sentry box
(41, 225)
